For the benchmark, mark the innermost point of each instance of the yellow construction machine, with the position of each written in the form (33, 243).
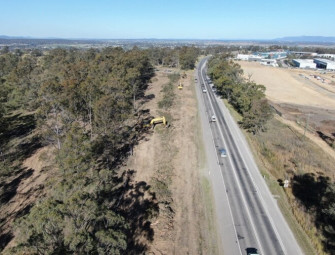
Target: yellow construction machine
(180, 86)
(153, 122)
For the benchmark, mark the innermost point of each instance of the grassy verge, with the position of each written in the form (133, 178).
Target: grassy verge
(281, 153)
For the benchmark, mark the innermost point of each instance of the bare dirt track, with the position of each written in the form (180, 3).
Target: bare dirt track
(170, 156)
(304, 98)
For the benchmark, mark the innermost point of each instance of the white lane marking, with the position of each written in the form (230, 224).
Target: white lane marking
(235, 175)
(224, 185)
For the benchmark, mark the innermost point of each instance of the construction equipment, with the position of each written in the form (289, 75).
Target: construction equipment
(180, 86)
(153, 122)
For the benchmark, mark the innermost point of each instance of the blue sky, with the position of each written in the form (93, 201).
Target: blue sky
(211, 19)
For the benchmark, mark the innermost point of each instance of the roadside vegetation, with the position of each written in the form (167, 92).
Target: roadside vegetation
(283, 154)
(247, 97)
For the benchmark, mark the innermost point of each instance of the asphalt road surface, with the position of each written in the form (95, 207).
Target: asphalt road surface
(248, 217)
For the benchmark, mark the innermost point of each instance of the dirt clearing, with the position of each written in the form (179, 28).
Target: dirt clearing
(168, 160)
(287, 86)
(304, 98)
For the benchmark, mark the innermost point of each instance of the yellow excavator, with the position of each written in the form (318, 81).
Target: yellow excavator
(180, 86)
(153, 122)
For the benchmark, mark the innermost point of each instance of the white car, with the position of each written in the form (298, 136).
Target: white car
(204, 90)
(213, 118)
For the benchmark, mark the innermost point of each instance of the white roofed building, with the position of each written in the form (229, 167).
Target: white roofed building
(304, 63)
(328, 56)
(242, 57)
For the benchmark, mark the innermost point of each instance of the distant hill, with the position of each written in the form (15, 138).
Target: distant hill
(14, 37)
(307, 39)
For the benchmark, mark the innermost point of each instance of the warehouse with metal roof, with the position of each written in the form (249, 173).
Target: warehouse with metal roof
(304, 63)
(324, 63)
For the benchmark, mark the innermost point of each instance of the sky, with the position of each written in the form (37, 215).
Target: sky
(167, 19)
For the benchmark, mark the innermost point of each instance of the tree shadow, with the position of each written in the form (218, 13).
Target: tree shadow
(7, 235)
(17, 125)
(9, 189)
(5, 238)
(310, 189)
(329, 140)
(147, 98)
(312, 193)
(138, 205)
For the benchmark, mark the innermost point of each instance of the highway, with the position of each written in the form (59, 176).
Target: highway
(247, 214)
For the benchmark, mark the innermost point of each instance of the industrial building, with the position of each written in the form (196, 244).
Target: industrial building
(259, 56)
(328, 56)
(304, 63)
(255, 58)
(242, 57)
(248, 57)
(272, 54)
(304, 53)
(324, 63)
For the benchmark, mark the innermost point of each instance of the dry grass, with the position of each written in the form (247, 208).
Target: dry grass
(281, 153)
(289, 152)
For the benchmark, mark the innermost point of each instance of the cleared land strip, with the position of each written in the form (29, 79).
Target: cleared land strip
(168, 159)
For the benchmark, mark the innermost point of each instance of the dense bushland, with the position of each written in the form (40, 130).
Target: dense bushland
(183, 57)
(82, 103)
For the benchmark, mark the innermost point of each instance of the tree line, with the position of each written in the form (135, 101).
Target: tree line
(183, 57)
(245, 96)
(84, 106)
